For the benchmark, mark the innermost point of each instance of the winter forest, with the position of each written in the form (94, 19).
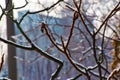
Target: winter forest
(59, 39)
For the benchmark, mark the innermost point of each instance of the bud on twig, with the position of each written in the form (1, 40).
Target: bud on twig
(75, 15)
(42, 27)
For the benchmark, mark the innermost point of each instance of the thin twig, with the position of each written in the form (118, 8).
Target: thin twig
(114, 72)
(45, 27)
(75, 16)
(108, 17)
(2, 61)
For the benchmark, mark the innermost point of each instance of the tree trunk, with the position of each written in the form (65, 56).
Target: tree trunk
(12, 69)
